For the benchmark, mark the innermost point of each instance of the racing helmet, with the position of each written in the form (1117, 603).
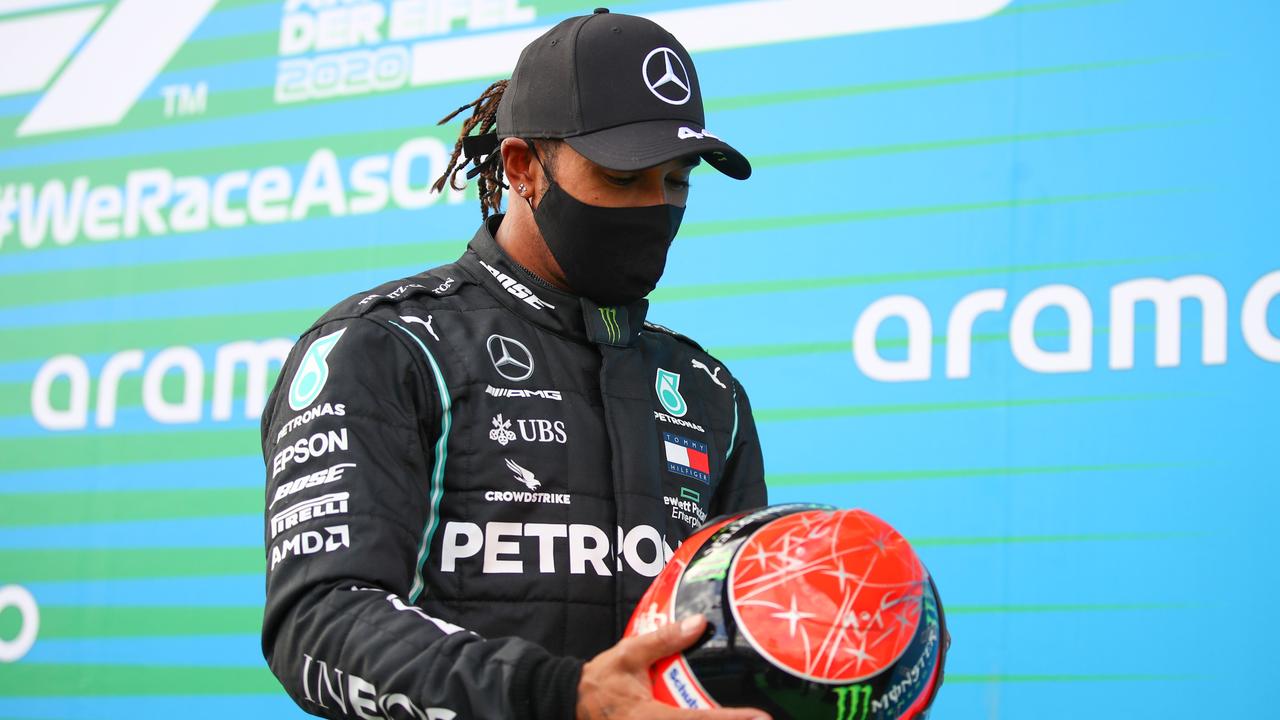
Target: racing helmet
(813, 612)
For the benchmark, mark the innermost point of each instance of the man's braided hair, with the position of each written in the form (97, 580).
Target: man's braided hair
(482, 148)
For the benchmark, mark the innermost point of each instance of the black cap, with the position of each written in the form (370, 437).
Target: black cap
(619, 89)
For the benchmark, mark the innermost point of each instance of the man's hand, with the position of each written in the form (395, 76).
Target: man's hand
(615, 684)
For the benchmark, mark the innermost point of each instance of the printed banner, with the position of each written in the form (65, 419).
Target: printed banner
(1002, 276)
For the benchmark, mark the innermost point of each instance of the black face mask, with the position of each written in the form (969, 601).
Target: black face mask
(613, 256)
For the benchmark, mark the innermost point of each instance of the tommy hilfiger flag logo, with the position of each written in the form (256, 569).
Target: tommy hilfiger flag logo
(687, 457)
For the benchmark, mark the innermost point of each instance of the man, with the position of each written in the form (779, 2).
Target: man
(474, 473)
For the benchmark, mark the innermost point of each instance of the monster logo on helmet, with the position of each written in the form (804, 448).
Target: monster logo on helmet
(813, 613)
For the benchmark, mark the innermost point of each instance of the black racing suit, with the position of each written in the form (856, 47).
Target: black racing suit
(471, 480)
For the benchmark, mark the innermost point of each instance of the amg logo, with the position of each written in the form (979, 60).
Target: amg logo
(321, 477)
(517, 289)
(323, 506)
(311, 542)
(513, 392)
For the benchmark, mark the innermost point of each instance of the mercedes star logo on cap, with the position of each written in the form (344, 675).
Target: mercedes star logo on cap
(670, 83)
(574, 82)
(510, 358)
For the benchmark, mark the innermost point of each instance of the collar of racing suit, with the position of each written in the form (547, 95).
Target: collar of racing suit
(533, 299)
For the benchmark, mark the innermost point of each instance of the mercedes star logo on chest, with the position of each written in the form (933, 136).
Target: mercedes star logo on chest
(510, 358)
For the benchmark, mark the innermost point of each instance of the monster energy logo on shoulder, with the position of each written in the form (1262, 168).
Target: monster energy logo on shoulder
(610, 317)
(853, 702)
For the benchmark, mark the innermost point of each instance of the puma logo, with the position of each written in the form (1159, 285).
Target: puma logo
(713, 375)
(427, 324)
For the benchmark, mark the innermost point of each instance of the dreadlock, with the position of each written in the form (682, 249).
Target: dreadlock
(484, 117)
(482, 148)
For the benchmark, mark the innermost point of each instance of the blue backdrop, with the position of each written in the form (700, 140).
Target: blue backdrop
(1002, 276)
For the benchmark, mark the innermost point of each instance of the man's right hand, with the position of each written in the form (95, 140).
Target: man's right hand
(615, 684)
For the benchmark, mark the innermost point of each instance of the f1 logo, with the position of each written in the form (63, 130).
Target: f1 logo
(103, 81)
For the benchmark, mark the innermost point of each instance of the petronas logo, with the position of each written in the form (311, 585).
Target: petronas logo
(610, 317)
(667, 386)
(313, 372)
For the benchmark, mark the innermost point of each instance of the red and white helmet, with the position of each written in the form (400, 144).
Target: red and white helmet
(813, 612)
